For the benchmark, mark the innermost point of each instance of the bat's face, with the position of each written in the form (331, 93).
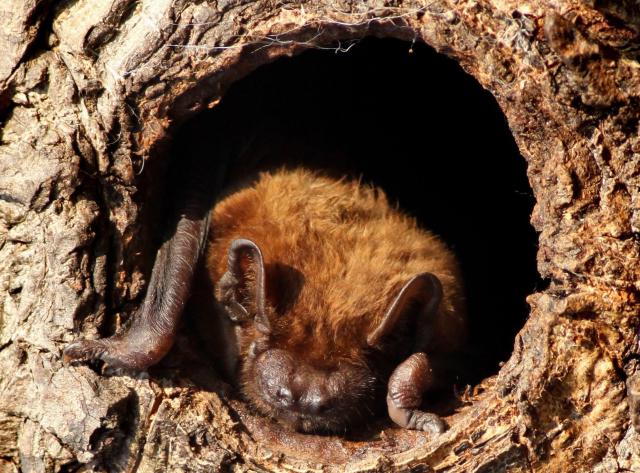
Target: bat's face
(304, 397)
(298, 376)
(280, 381)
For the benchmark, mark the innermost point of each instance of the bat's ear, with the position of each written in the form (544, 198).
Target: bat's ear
(418, 300)
(243, 285)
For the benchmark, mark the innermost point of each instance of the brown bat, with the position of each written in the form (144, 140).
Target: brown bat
(326, 299)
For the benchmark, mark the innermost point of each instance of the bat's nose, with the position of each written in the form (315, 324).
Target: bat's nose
(309, 399)
(284, 397)
(302, 397)
(293, 387)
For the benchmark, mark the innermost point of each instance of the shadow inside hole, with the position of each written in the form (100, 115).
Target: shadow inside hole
(412, 122)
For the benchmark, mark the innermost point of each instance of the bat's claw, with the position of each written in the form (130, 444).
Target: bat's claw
(414, 419)
(83, 350)
(426, 421)
(116, 352)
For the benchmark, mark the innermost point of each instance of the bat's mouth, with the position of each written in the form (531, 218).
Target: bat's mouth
(338, 420)
(317, 424)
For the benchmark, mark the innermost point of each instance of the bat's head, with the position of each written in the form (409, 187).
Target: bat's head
(290, 370)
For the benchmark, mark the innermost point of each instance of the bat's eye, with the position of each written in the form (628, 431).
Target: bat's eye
(236, 312)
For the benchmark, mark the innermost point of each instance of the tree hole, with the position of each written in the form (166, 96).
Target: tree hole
(409, 120)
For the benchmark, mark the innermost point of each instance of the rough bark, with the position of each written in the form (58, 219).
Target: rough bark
(89, 92)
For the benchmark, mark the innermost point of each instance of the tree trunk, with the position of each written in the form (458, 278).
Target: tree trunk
(89, 92)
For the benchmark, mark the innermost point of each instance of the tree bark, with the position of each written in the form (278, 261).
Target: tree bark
(89, 93)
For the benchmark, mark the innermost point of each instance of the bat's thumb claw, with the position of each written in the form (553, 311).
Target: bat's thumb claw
(83, 350)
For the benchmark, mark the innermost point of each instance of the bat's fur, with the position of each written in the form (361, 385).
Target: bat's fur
(336, 254)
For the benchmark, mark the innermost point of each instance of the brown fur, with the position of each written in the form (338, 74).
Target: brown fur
(353, 251)
(336, 255)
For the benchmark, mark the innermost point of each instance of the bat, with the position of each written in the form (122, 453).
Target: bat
(326, 302)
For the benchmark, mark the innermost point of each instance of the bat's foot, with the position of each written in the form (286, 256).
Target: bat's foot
(406, 386)
(425, 421)
(117, 352)
(113, 352)
(415, 419)
(84, 350)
